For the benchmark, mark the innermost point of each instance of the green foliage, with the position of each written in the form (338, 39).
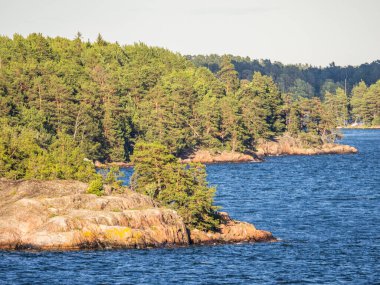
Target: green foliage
(62, 160)
(67, 100)
(365, 103)
(294, 123)
(149, 160)
(338, 106)
(262, 108)
(301, 89)
(302, 79)
(113, 175)
(228, 75)
(371, 110)
(376, 120)
(181, 187)
(112, 179)
(96, 186)
(23, 154)
(310, 120)
(357, 101)
(106, 179)
(231, 132)
(310, 139)
(18, 145)
(329, 86)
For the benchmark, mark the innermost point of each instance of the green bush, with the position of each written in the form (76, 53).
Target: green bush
(376, 120)
(112, 178)
(96, 186)
(310, 139)
(62, 160)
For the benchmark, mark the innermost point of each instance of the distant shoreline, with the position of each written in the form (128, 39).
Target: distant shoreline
(282, 147)
(360, 127)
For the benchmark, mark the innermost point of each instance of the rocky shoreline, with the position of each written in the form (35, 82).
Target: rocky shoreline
(360, 127)
(281, 146)
(208, 156)
(287, 145)
(284, 145)
(60, 215)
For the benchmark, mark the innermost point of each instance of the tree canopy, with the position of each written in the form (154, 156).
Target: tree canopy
(65, 103)
(299, 79)
(105, 97)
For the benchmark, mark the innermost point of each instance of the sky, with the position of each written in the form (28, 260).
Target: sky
(316, 32)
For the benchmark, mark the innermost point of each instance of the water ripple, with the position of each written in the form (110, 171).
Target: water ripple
(326, 210)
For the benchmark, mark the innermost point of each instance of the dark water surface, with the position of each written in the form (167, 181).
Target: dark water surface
(326, 210)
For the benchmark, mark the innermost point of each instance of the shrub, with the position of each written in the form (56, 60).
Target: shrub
(310, 139)
(112, 178)
(376, 120)
(62, 160)
(96, 186)
(17, 146)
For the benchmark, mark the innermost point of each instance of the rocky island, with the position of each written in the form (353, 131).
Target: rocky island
(288, 145)
(283, 145)
(60, 215)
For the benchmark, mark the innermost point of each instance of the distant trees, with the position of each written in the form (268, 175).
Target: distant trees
(298, 79)
(332, 84)
(337, 105)
(357, 102)
(329, 86)
(301, 89)
(365, 102)
(228, 75)
(261, 104)
(372, 104)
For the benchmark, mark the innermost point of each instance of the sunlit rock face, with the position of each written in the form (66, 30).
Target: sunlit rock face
(287, 145)
(60, 215)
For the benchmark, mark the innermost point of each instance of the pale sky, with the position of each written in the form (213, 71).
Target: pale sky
(291, 31)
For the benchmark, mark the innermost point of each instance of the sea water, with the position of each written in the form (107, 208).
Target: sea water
(325, 209)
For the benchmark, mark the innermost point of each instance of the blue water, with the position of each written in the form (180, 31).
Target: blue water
(326, 210)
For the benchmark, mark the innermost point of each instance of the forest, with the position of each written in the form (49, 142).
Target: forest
(67, 103)
(99, 99)
(302, 80)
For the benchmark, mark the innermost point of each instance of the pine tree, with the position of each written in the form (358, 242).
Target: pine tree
(231, 132)
(294, 125)
(228, 75)
(270, 102)
(357, 101)
(371, 113)
(182, 187)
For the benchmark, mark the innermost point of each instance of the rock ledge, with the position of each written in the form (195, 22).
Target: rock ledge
(59, 215)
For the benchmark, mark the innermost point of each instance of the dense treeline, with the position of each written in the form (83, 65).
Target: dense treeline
(98, 99)
(65, 103)
(301, 79)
